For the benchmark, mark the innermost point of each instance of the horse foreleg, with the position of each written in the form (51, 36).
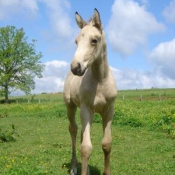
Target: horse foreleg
(107, 139)
(86, 145)
(73, 132)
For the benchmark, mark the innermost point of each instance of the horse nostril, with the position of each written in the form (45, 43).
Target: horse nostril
(79, 67)
(76, 70)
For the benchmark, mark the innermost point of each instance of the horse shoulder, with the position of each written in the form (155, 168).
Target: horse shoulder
(108, 88)
(71, 89)
(105, 94)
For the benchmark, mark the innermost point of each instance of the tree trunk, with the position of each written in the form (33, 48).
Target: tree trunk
(6, 94)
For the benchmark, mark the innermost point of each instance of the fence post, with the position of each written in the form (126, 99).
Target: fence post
(141, 97)
(39, 101)
(160, 97)
(123, 96)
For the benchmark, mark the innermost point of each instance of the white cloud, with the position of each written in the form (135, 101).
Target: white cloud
(169, 12)
(130, 25)
(56, 71)
(10, 8)
(163, 56)
(61, 33)
(135, 79)
(57, 11)
(53, 77)
(59, 18)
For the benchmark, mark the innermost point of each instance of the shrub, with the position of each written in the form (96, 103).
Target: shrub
(7, 136)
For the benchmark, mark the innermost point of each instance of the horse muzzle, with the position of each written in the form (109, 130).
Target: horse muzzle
(78, 69)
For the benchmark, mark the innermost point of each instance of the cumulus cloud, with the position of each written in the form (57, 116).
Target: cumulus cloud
(163, 56)
(129, 26)
(135, 79)
(59, 19)
(57, 11)
(53, 77)
(169, 12)
(61, 33)
(15, 7)
(56, 71)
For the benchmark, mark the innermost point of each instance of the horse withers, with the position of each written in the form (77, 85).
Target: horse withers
(91, 87)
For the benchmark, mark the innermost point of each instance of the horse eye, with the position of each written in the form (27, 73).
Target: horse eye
(94, 41)
(75, 41)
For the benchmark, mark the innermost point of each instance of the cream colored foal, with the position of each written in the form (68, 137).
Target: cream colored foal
(90, 86)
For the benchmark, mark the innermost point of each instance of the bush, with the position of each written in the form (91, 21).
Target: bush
(167, 122)
(7, 136)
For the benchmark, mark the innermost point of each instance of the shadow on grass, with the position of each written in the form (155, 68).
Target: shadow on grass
(93, 170)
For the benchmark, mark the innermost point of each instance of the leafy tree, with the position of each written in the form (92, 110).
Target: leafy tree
(19, 62)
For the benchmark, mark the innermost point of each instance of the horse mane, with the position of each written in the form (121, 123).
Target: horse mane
(89, 20)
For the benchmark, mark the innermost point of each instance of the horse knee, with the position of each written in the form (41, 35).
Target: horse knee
(86, 151)
(106, 146)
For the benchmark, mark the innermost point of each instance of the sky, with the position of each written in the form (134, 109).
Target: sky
(140, 36)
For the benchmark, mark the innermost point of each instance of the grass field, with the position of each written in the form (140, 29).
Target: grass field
(34, 138)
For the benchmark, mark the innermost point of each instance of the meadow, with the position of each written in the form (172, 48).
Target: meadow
(34, 137)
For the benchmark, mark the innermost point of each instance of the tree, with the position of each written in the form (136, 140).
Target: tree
(19, 62)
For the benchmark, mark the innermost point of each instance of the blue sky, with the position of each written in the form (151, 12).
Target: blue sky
(139, 33)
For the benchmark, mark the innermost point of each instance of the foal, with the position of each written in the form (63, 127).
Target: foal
(90, 86)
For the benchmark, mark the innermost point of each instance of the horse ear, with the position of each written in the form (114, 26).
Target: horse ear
(80, 22)
(96, 19)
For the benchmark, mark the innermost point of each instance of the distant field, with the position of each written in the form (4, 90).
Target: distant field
(37, 98)
(137, 94)
(34, 137)
(147, 94)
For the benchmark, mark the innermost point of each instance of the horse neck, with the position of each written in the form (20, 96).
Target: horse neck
(100, 67)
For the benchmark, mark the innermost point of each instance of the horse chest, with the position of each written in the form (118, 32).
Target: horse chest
(99, 102)
(94, 94)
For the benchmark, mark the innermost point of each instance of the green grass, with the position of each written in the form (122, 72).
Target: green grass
(143, 139)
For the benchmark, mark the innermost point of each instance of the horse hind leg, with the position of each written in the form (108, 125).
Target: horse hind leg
(71, 110)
